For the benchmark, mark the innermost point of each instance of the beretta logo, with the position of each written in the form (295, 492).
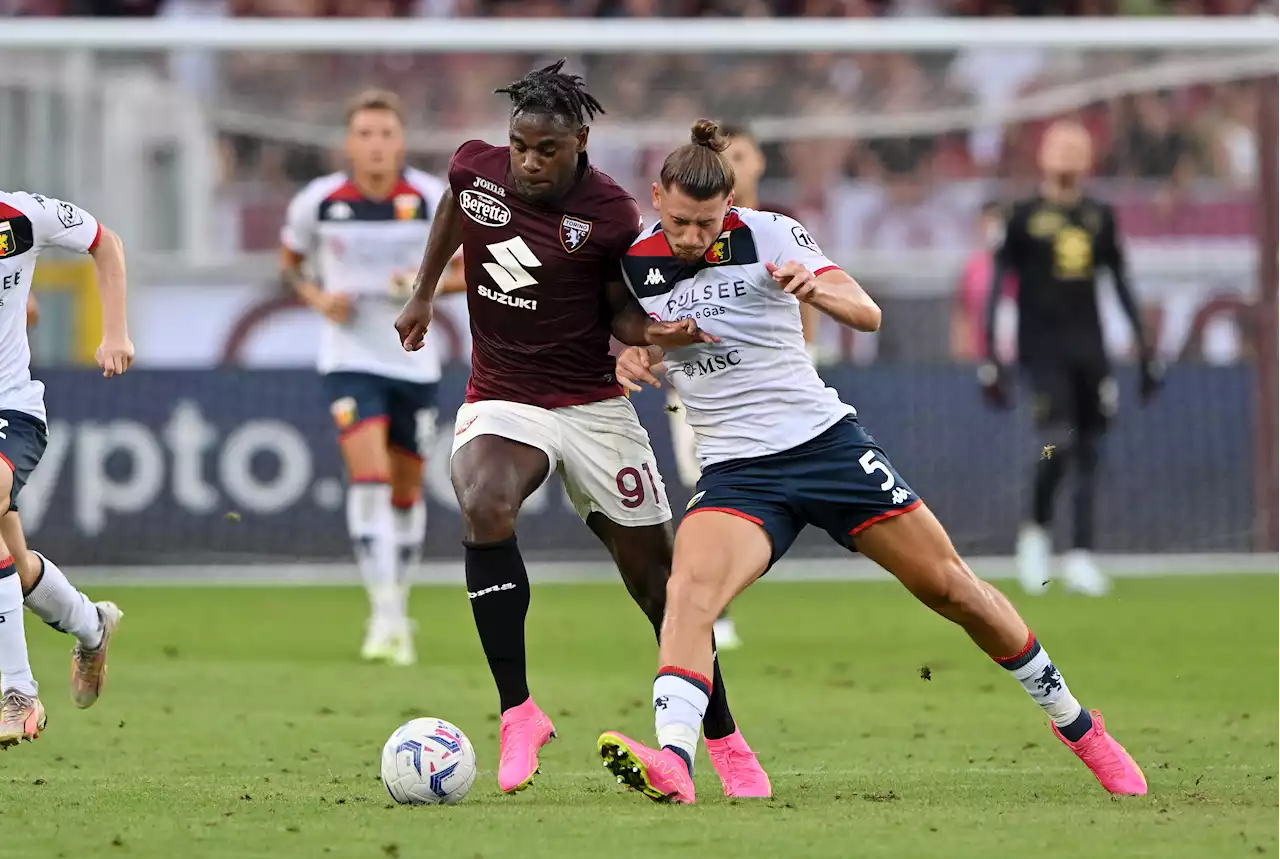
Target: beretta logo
(483, 209)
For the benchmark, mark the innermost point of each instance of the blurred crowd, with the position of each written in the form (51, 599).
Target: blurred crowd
(619, 8)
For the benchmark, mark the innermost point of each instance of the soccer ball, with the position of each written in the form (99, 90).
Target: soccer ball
(428, 762)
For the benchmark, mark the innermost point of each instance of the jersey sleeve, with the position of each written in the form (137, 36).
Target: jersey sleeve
(1110, 251)
(300, 223)
(59, 224)
(789, 241)
(1009, 244)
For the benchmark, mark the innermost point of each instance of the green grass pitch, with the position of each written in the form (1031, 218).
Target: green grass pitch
(239, 724)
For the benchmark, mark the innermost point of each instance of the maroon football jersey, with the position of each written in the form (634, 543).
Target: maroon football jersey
(540, 320)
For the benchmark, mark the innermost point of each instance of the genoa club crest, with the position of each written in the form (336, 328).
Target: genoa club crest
(720, 251)
(7, 245)
(574, 232)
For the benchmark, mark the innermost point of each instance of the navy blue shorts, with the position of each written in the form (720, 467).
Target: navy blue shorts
(407, 408)
(840, 482)
(23, 439)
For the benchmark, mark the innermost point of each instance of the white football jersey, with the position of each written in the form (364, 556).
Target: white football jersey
(30, 223)
(755, 392)
(371, 250)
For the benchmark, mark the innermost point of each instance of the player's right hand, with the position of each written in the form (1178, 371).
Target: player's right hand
(334, 306)
(634, 366)
(995, 389)
(413, 322)
(114, 355)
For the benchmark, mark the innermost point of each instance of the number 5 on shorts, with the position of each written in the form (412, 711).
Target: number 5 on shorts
(631, 486)
(871, 465)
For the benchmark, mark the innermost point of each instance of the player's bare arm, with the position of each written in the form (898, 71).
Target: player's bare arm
(334, 306)
(833, 292)
(442, 244)
(115, 353)
(33, 311)
(633, 327)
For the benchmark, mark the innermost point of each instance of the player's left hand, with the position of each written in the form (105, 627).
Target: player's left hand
(1152, 379)
(677, 334)
(633, 367)
(114, 355)
(794, 279)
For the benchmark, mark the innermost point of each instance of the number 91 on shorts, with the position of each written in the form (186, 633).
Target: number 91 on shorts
(600, 449)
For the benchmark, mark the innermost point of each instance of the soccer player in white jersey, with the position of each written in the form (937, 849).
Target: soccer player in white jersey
(744, 154)
(363, 232)
(780, 451)
(29, 225)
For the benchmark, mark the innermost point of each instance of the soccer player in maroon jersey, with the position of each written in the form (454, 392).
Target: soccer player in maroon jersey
(543, 233)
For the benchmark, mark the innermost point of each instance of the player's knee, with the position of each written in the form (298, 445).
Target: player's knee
(487, 516)
(693, 593)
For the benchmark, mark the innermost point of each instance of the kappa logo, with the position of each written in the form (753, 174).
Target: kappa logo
(573, 232)
(485, 210)
(340, 211)
(654, 278)
(694, 500)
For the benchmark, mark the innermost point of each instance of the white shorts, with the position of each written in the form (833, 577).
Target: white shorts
(600, 449)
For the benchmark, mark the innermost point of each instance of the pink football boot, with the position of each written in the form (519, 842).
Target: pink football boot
(659, 774)
(525, 730)
(739, 771)
(1107, 760)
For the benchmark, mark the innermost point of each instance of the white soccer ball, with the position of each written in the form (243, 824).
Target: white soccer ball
(428, 762)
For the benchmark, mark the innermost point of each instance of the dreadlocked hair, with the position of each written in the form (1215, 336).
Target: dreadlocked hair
(549, 90)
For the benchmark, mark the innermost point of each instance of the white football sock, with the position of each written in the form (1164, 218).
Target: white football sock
(371, 524)
(15, 667)
(1044, 683)
(60, 605)
(679, 703)
(411, 531)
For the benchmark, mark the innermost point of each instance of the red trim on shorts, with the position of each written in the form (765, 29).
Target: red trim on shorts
(346, 432)
(7, 562)
(888, 514)
(407, 453)
(8, 462)
(825, 269)
(728, 510)
(404, 502)
(692, 676)
(369, 478)
(97, 237)
(1031, 642)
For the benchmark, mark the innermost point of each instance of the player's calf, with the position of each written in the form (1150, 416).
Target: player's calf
(915, 549)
